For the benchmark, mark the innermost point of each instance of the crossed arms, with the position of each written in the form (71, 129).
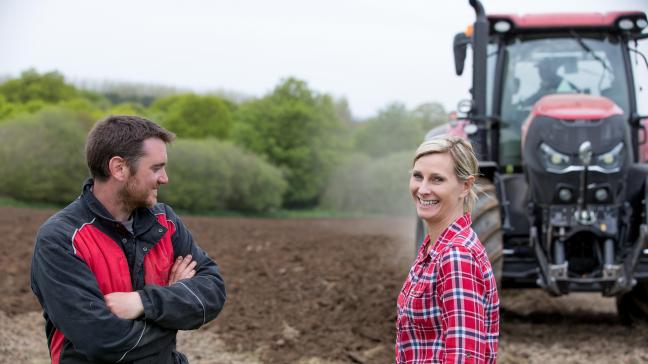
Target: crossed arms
(129, 306)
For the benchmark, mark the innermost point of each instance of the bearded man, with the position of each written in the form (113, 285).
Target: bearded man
(116, 272)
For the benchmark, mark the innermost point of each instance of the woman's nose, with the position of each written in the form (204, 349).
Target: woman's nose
(424, 188)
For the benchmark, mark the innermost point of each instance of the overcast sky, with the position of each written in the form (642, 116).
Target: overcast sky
(370, 51)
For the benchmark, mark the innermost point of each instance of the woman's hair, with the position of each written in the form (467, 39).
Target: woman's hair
(463, 156)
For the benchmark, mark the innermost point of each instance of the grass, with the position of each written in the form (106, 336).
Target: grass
(10, 202)
(313, 213)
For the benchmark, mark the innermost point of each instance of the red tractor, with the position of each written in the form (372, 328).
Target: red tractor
(553, 119)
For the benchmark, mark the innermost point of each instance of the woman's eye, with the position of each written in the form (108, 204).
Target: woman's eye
(417, 176)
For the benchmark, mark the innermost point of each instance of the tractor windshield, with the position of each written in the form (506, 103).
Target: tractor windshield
(537, 67)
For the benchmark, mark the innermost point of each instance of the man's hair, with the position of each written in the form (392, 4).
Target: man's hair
(120, 136)
(463, 156)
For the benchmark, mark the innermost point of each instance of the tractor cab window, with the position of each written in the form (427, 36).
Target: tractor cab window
(570, 64)
(640, 73)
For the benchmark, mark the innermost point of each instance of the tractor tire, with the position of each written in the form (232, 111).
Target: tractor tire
(633, 306)
(487, 224)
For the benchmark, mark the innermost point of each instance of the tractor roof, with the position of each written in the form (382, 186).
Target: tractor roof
(555, 21)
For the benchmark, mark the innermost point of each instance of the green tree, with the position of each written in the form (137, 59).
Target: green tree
(297, 130)
(32, 91)
(430, 115)
(394, 129)
(132, 92)
(194, 116)
(49, 87)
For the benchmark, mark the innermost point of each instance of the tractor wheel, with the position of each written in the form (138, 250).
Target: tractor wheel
(487, 224)
(633, 306)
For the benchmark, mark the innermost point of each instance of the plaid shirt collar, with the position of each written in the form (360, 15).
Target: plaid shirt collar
(462, 223)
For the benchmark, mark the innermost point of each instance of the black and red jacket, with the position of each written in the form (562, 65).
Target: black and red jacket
(82, 254)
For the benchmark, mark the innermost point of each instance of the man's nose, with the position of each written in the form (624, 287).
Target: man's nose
(164, 178)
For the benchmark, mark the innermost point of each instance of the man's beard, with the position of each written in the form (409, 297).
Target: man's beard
(133, 198)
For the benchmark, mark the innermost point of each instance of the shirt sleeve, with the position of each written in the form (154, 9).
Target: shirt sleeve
(188, 303)
(461, 295)
(71, 299)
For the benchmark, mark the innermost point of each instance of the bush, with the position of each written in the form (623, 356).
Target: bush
(256, 185)
(42, 156)
(376, 186)
(198, 176)
(208, 175)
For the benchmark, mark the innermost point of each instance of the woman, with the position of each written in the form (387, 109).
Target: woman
(448, 309)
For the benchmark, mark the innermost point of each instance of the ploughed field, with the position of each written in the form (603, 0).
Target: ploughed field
(319, 291)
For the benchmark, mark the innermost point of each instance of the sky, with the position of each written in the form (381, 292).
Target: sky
(371, 52)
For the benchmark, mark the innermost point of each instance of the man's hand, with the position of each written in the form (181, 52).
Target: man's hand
(125, 305)
(183, 268)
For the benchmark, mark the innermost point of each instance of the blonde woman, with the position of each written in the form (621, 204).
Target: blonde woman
(448, 308)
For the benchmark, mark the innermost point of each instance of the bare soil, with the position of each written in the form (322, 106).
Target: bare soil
(320, 291)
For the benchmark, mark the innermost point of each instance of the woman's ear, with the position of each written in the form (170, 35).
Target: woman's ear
(118, 168)
(467, 186)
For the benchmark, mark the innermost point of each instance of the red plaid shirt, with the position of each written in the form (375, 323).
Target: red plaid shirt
(448, 309)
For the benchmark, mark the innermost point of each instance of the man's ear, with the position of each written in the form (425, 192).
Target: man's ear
(118, 168)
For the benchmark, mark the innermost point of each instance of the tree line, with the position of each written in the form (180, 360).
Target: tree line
(294, 147)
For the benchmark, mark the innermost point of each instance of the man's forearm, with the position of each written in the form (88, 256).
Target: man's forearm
(125, 305)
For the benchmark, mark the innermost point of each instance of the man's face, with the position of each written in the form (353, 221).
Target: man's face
(142, 187)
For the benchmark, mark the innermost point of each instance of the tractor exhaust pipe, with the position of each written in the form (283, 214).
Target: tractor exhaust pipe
(479, 44)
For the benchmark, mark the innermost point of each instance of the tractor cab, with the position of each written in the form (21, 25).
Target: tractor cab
(554, 121)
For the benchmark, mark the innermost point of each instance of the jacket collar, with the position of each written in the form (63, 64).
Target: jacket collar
(143, 217)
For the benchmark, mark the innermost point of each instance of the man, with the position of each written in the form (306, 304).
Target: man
(550, 80)
(117, 273)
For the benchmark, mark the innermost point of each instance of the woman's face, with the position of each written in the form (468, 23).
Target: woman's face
(437, 192)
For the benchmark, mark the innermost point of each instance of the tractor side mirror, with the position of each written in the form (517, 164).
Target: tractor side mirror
(460, 44)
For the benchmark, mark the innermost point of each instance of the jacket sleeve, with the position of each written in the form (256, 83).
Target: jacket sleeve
(72, 300)
(189, 303)
(461, 291)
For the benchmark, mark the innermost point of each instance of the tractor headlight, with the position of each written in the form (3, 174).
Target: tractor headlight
(641, 23)
(611, 160)
(554, 161)
(626, 24)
